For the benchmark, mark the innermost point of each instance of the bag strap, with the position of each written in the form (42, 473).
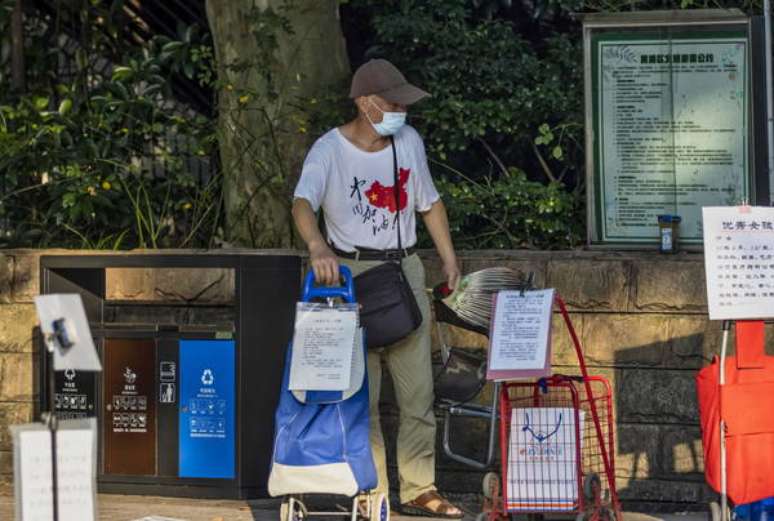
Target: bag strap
(396, 192)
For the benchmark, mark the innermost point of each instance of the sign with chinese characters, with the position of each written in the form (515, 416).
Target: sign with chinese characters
(129, 395)
(739, 262)
(76, 457)
(323, 340)
(520, 343)
(543, 459)
(671, 131)
(206, 436)
(74, 394)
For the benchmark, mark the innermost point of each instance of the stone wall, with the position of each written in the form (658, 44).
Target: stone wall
(641, 318)
(18, 365)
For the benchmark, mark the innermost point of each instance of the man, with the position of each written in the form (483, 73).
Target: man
(349, 174)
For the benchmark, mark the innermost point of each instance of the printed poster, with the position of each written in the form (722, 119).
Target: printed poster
(739, 262)
(520, 341)
(543, 459)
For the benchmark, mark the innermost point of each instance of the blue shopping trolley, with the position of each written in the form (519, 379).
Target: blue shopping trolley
(321, 443)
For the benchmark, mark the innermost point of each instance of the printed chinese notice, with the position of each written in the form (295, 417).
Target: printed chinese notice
(739, 262)
(76, 470)
(322, 348)
(672, 131)
(520, 339)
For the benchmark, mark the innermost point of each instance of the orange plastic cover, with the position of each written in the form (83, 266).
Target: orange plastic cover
(745, 402)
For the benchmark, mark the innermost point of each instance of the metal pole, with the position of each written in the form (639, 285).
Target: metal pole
(769, 96)
(723, 469)
(51, 421)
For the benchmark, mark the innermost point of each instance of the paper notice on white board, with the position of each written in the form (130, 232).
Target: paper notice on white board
(34, 497)
(520, 342)
(739, 262)
(323, 341)
(76, 471)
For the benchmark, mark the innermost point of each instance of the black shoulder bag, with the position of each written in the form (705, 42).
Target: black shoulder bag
(388, 308)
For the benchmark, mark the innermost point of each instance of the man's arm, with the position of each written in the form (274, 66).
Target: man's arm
(324, 263)
(438, 225)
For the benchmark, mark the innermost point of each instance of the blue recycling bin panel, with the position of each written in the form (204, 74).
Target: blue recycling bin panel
(206, 434)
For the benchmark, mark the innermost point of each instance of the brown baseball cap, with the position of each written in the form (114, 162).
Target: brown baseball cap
(382, 78)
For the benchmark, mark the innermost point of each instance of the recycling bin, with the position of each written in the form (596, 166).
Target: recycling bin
(183, 408)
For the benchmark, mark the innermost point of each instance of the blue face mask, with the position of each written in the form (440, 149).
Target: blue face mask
(391, 122)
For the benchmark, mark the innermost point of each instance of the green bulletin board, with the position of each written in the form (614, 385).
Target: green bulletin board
(670, 115)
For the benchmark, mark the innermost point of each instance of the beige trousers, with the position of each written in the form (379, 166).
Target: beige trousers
(409, 364)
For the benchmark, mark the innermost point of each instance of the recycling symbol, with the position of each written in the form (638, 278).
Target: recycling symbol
(207, 377)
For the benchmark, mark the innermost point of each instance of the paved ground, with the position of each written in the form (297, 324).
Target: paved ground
(130, 508)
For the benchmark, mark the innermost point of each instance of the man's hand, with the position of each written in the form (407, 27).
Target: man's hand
(324, 264)
(452, 273)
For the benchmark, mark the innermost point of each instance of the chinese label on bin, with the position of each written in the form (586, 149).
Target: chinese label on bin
(130, 409)
(739, 262)
(207, 397)
(543, 459)
(74, 394)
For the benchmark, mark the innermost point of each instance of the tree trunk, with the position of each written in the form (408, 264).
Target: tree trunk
(18, 82)
(264, 107)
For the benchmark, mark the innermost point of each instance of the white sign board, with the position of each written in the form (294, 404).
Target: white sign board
(323, 341)
(76, 471)
(520, 341)
(82, 355)
(543, 460)
(739, 262)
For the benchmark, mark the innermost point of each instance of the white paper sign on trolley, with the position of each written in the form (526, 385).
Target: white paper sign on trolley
(520, 343)
(543, 459)
(323, 342)
(739, 261)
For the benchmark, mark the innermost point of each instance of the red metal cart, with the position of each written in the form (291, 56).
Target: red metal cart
(562, 457)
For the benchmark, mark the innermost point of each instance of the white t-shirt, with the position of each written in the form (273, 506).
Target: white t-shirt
(355, 189)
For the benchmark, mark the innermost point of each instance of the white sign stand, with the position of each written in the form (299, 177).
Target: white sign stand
(55, 462)
(76, 470)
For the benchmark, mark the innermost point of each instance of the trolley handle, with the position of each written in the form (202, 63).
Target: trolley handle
(346, 291)
(545, 382)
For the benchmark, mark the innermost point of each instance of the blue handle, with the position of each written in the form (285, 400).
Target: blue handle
(347, 291)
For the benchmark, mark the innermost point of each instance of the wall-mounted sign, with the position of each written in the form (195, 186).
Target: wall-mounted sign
(668, 122)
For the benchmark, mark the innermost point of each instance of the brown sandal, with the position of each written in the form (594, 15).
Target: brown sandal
(419, 506)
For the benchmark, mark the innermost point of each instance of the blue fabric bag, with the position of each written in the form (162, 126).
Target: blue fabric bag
(321, 443)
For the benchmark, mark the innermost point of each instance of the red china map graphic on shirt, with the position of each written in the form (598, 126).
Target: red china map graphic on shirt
(382, 196)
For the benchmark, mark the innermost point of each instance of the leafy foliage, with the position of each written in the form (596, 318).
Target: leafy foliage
(94, 160)
(510, 212)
